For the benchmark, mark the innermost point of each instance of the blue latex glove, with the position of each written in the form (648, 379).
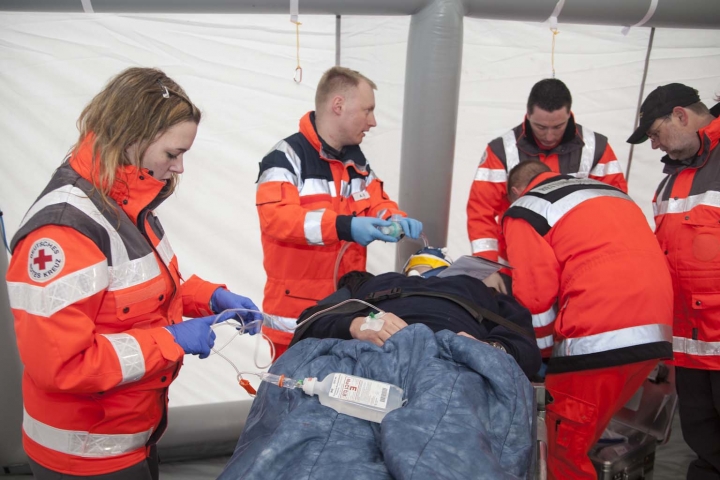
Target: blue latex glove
(195, 335)
(364, 230)
(411, 227)
(223, 299)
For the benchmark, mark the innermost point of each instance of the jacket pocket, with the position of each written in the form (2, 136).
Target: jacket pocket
(307, 289)
(573, 420)
(270, 192)
(705, 235)
(705, 301)
(359, 206)
(140, 300)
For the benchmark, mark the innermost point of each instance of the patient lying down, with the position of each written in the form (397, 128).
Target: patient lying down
(421, 296)
(470, 406)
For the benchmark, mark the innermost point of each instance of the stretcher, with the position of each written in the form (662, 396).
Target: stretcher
(540, 467)
(466, 400)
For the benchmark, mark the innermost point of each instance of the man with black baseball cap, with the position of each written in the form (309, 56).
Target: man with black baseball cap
(687, 219)
(660, 103)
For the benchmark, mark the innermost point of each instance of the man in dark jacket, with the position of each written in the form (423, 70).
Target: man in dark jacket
(441, 303)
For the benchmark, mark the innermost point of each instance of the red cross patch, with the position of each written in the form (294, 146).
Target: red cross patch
(46, 260)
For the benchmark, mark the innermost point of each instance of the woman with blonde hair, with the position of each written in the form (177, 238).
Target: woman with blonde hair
(96, 292)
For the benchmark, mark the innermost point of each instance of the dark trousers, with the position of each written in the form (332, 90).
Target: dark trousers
(699, 399)
(145, 470)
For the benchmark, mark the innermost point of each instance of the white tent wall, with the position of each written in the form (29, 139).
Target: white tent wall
(501, 61)
(603, 70)
(238, 69)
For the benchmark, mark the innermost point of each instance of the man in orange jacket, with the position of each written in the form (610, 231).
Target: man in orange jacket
(548, 134)
(687, 225)
(316, 192)
(585, 246)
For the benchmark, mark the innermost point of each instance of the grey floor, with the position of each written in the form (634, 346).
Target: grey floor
(671, 461)
(673, 458)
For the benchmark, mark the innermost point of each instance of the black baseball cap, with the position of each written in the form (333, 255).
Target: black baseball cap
(661, 102)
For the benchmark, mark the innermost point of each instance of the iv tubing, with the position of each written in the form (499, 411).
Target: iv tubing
(335, 306)
(337, 263)
(244, 327)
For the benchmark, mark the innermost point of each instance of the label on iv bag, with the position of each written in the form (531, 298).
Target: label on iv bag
(359, 390)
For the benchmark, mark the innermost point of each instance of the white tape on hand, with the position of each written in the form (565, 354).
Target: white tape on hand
(371, 323)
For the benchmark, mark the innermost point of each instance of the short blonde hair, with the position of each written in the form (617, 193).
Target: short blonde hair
(338, 80)
(135, 107)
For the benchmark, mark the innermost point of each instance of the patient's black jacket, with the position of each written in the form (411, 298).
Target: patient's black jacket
(436, 312)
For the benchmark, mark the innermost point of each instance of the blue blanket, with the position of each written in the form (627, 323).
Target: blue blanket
(469, 414)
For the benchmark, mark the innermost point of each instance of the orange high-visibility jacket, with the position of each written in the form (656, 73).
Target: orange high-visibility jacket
(687, 219)
(585, 246)
(91, 287)
(581, 153)
(306, 198)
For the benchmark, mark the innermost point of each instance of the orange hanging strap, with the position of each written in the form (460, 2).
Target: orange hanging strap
(553, 21)
(555, 33)
(298, 69)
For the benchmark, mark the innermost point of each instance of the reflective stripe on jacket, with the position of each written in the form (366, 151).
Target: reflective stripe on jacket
(585, 246)
(91, 287)
(306, 198)
(581, 153)
(687, 225)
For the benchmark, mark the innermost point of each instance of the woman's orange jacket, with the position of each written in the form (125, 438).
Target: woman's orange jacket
(92, 286)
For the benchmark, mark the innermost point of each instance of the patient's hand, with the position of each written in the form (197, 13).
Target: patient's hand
(495, 281)
(392, 324)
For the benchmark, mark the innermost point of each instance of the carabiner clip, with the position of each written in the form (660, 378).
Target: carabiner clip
(298, 74)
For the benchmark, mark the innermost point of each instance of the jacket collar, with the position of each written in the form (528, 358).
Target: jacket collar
(540, 178)
(348, 155)
(571, 139)
(309, 131)
(709, 137)
(134, 189)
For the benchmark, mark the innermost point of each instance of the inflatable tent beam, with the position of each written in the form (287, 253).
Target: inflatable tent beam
(430, 110)
(669, 13)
